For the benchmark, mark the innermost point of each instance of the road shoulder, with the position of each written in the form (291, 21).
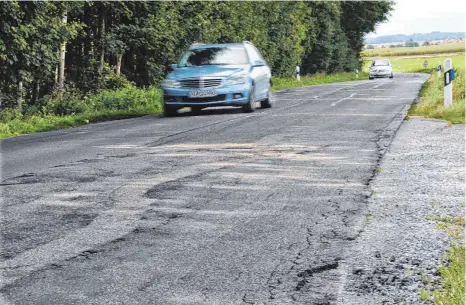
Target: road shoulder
(420, 178)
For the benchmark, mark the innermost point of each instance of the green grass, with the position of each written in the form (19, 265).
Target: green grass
(431, 104)
(405, 51)
(284, 83)
(453, 274)
(37, 123)
(451, 289)
(70, 110)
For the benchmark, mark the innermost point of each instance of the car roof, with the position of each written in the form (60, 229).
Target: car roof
(216, 45)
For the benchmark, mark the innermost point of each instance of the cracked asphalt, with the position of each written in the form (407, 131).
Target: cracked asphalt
(220, 208)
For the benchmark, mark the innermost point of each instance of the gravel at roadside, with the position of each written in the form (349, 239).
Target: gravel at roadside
(422, 175)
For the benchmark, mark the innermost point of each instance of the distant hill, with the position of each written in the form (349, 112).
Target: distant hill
(415, 37)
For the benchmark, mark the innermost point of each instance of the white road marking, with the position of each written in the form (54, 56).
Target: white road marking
(120, 146)
(377, 86)
(343, 99)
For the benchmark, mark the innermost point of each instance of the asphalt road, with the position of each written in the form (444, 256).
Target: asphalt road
(221, 208)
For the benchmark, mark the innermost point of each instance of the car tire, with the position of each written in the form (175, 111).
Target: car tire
(371, 78)
(249, 106)
(391, 76)
(268, 102)
(169, 111)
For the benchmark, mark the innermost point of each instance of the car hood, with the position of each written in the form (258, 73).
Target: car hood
(207, 71)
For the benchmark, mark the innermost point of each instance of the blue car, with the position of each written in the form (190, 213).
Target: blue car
(233, 74)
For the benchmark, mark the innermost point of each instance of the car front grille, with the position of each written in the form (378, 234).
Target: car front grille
(200, 82)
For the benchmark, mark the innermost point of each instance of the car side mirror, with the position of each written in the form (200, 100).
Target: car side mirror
(173, 66)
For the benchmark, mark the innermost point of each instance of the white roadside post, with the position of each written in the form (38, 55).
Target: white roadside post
(439, 68)
(448, 86)
(357, 73)
(298, 76)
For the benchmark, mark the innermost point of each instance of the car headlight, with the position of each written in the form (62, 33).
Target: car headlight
(237, 79)
(171, 83)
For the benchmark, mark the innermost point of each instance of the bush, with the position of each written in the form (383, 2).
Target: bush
(71, 108)
(110, 80)
(127, 98)
(66, 102)
(10, 114)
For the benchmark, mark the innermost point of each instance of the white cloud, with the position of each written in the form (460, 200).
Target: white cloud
(424, 16)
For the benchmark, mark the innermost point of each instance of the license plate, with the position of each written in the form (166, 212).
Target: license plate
(202, 93)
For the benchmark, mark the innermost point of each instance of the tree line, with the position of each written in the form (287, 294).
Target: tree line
(48, 47)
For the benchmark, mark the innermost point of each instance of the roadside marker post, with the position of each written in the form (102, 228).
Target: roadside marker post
(448, 76)
(439, 68)
(357, 73)
(298, 70)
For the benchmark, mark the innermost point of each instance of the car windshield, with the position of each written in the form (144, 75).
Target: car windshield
(381, 63)
(214, 56)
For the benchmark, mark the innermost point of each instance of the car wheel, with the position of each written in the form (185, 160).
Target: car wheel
(196, 110)
(268, 102)
(249, 106)
(169, 111)
(391, 76)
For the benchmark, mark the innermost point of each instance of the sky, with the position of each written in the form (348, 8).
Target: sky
(424, 16)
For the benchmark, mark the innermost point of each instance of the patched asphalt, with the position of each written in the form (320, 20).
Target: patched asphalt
(220, 208)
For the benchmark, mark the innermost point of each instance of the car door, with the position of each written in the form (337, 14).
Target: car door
(259, 72)
(267, 79)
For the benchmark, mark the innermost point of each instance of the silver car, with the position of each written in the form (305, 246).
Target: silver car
(381, 68)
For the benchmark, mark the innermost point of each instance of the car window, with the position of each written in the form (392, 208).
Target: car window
(381, 62)
(214, 56)
(260, 55)
(253, 54)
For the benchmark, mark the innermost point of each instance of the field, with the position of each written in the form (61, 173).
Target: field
(415, 63)
(436, 49)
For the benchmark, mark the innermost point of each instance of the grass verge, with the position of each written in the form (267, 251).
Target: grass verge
(452, 273)
(432, 101)
(452, 287)
(36, 123)
(118, 104)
